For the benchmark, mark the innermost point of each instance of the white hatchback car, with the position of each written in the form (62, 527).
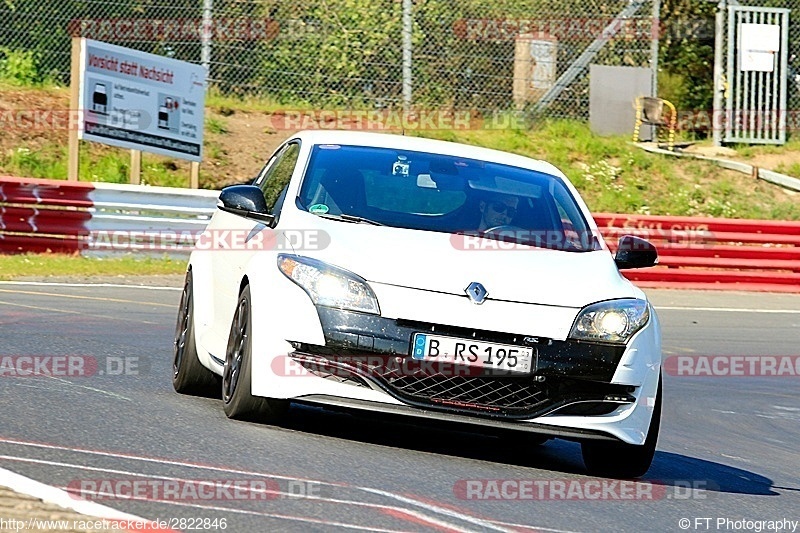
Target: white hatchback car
(426, 278)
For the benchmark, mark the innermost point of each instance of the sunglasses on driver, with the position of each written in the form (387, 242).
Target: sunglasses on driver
(500, 207)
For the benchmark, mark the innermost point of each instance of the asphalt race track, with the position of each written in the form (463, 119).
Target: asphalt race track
(729, 446)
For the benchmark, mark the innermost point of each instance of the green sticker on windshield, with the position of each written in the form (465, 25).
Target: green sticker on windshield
(318, 208)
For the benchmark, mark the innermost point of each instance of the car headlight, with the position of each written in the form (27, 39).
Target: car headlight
(611, 321)
(328, 285)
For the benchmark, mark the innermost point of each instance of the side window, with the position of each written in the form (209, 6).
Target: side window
(274, 179)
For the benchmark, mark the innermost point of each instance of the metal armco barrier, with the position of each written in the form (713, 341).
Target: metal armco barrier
(93, 218)
(712, 253)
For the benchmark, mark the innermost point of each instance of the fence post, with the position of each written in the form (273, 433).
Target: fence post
(408, 27)
(654, 41)
(719, 86)
(205, 36)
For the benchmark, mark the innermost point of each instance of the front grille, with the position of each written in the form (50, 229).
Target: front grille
(503, 396)
(490, 394)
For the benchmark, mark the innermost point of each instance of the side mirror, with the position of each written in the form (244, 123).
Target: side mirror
(246, 201)
(634, 252)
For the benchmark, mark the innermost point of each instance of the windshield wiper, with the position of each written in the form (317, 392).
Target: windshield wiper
(349, 218)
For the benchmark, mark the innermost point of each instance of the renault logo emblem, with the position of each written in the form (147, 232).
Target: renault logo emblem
(476, 292)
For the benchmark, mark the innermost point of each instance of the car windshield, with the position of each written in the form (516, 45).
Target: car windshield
(434, 192)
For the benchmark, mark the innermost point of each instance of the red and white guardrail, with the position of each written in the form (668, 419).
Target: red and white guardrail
(68, 217)
(694, 252)
(712, 253)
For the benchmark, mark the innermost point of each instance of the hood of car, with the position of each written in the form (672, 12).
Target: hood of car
(449, 264)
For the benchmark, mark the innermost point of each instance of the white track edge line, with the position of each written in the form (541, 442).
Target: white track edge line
(482, 522)
(56, 496)
(368, 505)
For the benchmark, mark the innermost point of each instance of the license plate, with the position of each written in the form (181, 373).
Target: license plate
(468, 352)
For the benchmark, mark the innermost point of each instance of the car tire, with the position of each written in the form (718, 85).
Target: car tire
(189, 376)
(622, 460)
(238, 401)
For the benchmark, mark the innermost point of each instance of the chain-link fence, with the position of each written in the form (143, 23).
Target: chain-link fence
(484, 55)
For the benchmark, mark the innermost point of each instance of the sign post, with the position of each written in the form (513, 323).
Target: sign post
(73, 160)
(135, 174)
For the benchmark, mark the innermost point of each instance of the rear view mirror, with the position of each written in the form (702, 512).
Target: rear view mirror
(424, 181)
(246, 201)
(634, 252)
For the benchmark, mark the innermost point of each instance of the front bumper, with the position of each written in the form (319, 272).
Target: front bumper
(569, 378)
(570, 433)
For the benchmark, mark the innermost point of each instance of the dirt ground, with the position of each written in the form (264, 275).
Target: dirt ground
(17, 131)
(18, 510)
(248, 144)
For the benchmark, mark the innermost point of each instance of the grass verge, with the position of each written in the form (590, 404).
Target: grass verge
(97, 163)
(43, 265)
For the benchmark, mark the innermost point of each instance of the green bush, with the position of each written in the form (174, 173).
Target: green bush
(19, 67)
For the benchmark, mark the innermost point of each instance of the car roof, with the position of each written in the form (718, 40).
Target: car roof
(421, 144)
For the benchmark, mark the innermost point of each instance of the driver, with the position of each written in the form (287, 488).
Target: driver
(497, 210)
